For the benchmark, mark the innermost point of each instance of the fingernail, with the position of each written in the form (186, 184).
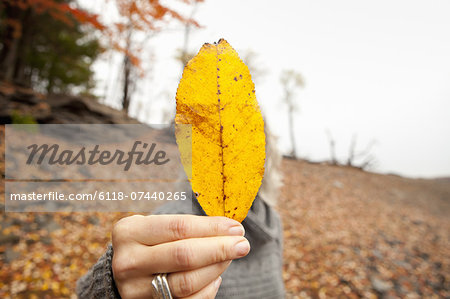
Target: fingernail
(237, 231)
(242, 248)
(218, 282)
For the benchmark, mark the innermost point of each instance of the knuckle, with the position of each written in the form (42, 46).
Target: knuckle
(117, 228)
(183, 256)
(123, 290)
(122, 266)
(122, 228)
(127, 291)
(179, 227)
(215, 227)
(186, 285)
(118, 268)
(222, 253)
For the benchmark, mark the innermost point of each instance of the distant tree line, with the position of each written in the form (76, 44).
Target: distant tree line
(45, 48)
(50, 45)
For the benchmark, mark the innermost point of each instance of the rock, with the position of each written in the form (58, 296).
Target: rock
(56, 109)
(379, 285)
(338, 184)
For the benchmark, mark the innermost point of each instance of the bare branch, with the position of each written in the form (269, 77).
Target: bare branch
(332, 143)
(291, 81)
(351, 153)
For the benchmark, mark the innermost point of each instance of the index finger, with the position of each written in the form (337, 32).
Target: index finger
(157, 229)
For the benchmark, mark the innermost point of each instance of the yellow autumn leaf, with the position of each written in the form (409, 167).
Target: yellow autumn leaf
(216, 96)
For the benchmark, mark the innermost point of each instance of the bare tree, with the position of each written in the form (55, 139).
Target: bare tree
(364, 156)
(132, 72)
(362, 159)
(332, 147)
(127, 73)
(291, 81)
(144, 20)
(185, 55)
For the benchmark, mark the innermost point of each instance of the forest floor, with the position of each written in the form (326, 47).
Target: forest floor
(352, 234)
(347, 233)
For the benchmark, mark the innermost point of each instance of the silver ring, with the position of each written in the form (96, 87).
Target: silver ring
(160, 287)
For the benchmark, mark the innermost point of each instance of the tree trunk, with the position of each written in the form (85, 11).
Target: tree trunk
(291, 131)
(13, 34)
(126, 84)
(332, 148)
(351, 153)
(127, 73)
(10, 60)
(22, 75)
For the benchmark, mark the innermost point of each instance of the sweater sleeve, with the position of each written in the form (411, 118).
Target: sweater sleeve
(98, 282)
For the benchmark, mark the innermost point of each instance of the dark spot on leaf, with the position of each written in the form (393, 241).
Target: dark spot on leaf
(235, 79)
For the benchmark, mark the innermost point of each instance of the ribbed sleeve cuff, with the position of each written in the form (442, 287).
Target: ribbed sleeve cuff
(98, 282)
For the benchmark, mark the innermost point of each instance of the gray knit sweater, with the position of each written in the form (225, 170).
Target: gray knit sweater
(258, 275)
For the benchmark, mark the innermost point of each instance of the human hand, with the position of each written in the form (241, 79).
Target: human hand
(193, 250)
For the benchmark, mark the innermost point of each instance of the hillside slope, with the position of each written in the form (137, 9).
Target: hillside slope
(357, 234)
(348, 233)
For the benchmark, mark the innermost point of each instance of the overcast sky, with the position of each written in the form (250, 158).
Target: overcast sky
(378, 69)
